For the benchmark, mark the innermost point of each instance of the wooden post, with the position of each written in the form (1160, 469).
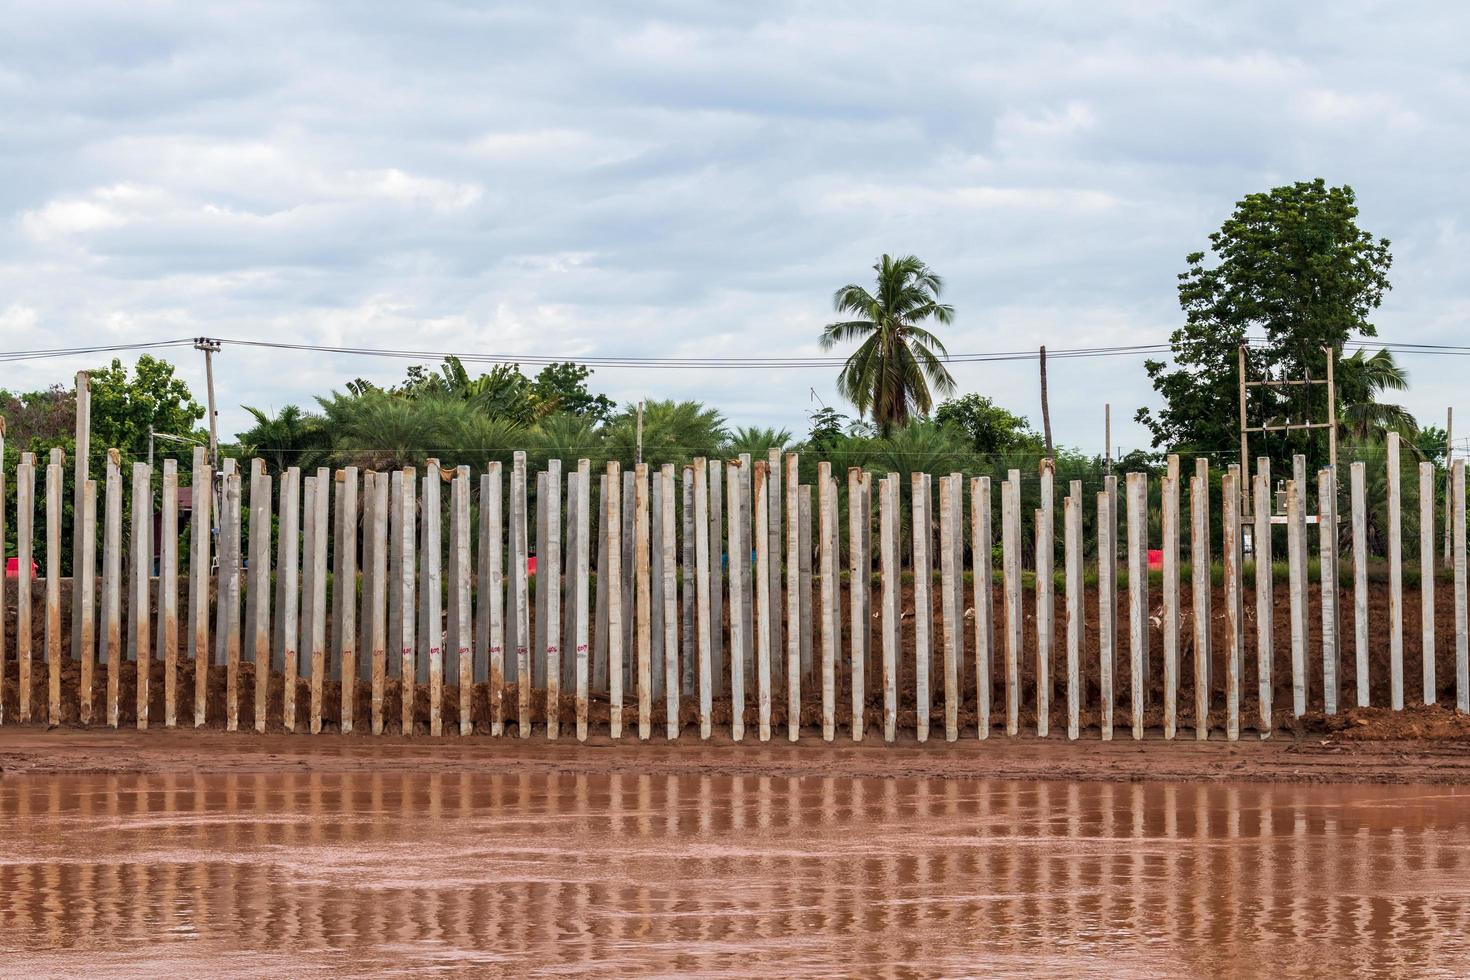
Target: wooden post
(1010, 543)
(827, 535)
(794, 665)
(1462, 631)
(53, 593)
(1230, 546)
(643, 605)
(1072, 557)
(1294, 546)
(581, 569)
(406, 586)
(1327, 545)
(288, 573)
(1426, 577)
(227, 612)
(168, 592)
(668, 597)
(921, 535)
(1169, 498)
(1265, 593)
(1395, 577)
(25, 515)
(86, 564)
(81, 465)
(702, 623)
(112, 589)
(949, 615)
(318, 597)
(984, 603)
(1138, 604)
(260, 583)
(763, 599)
(733, 478)
(199, 567)
(1199, 560)
(888, 555)
(1045, 595)
(613, 530)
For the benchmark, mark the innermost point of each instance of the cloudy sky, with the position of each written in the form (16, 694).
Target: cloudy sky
(681, 178)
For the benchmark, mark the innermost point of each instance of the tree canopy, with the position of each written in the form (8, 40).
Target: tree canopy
(1292, 274)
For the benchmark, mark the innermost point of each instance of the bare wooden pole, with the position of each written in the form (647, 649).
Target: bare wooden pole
(921, 536)
(1072, 557)
(406, 588)
(227, 613)
(984, 603)
(86, 565)
(1138, 603)
(702, 623)
(288, 573)
(1298, 585)
(888, 551)
(763, 598)
(736, 513)
(199, 567)
(168, 592)
(1265, 592)
(1169, 499)
(1462, 630)
(1010, 499)
(1230, 546)
(112, 591)
(53, 593)
(793, 589)
(1327, 544)
(613, 530)
(1199, 558)
(827, 533)
(1395, 577)
(1426, 577)
(25, 515)
(949, 614)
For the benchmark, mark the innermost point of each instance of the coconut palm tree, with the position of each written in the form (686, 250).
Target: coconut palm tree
(756, 440)
(897, 362)
(1361, 381)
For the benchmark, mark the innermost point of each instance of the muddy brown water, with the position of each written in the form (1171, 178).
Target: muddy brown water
(565, 874)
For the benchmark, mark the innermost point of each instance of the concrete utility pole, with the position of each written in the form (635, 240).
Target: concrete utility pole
(1108, 437)
(210, 348)
(1045, 407)
(639, 457)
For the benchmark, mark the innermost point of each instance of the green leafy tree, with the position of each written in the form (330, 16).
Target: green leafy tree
(897, 361)
(989, 428)
(561, 387)
(756, 440)
(125, 407)
(1294, 273)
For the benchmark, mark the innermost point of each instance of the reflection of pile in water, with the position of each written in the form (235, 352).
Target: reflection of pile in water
(1440, 722)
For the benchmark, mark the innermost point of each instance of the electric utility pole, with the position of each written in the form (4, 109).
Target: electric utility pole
(210, 348)
(1045, 408)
